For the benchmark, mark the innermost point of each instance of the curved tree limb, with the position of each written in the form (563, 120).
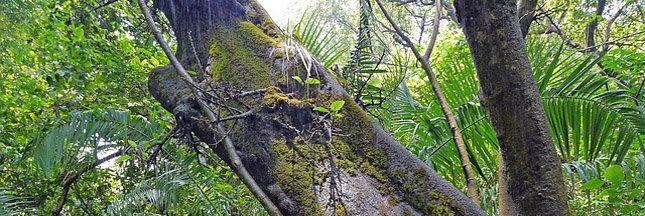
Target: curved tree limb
(237, 164)
(526, 12)
(466, 165)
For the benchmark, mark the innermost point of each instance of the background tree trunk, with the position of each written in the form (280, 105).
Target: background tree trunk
(510, 96)
(307, 162)
(526, 13)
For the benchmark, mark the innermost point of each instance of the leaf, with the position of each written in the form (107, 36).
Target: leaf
(132, 143)
(79, 33)
(312, 81)
(614, 174)
(337, 105)
(297, 78)
(376, 82)
(321, 109)
(122, 158)
(592, 184)
(154, 61)
(192, 73)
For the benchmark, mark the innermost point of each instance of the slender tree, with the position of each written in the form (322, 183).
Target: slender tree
(304, 142)
(510, 96)
(466, 165)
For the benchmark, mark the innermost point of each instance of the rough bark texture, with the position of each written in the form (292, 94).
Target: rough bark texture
(510, 96)
(357, 169)
(526, 12)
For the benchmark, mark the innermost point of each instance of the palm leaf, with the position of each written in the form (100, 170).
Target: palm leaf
(82, 134)
(12, 205)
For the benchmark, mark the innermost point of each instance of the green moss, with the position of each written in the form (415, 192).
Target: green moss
(238, 56)
(295, 175)
(341, 210)
(407, 212)
(274, 96)
(261, 17)
(372, 160)
(417, 192)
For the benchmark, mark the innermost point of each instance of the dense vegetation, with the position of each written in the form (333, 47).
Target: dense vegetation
(74, 94)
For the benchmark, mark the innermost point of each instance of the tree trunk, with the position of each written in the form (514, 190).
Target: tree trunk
(510, 96)
(307, 162)
(526, 12)
(591, 28)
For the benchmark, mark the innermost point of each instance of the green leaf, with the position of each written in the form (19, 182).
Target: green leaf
(592, 184)
(79, 34)
(132, 143)
(297, 78)
(192, 73)
(154, 61)
(312, 81)
(321, 109)
(337, 105)
(614, 174)
(376, 82)
(122, 158)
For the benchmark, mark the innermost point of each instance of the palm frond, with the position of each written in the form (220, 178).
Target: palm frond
(318, 38)
(13, 205)
(87, 133)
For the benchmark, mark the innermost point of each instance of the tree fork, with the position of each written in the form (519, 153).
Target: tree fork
(237, 164)
(245, 51)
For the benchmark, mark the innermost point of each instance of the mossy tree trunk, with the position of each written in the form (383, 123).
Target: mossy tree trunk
(307, 162)
(531, 169)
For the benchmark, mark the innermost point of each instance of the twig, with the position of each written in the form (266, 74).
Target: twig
(235, 117)
(614, 41)
(104, 4)
(435, 31)
(249, 93)
(70, 180)
(236, 162)
(153, 156)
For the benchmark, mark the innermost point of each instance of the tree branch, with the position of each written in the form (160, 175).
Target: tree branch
(473, 192)
(435, 31)
(68, 182)
(104, 4)
(526, 12)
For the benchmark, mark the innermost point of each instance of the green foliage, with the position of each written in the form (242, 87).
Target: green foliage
(336, 105)
(11, 205)
(64, 62)
(62, 146)
(620, 192)
(318, 37)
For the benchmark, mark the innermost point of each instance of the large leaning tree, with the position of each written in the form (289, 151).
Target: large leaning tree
(303, 140)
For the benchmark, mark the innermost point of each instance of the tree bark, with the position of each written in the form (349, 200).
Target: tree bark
(591, 28)
(526, 12)
(510, 96)
(307, 162)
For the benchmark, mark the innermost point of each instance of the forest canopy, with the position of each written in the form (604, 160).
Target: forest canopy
(383, 107)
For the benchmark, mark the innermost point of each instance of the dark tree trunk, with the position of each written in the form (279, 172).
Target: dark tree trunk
(510, 96)
(591, 28)
(307, 162)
